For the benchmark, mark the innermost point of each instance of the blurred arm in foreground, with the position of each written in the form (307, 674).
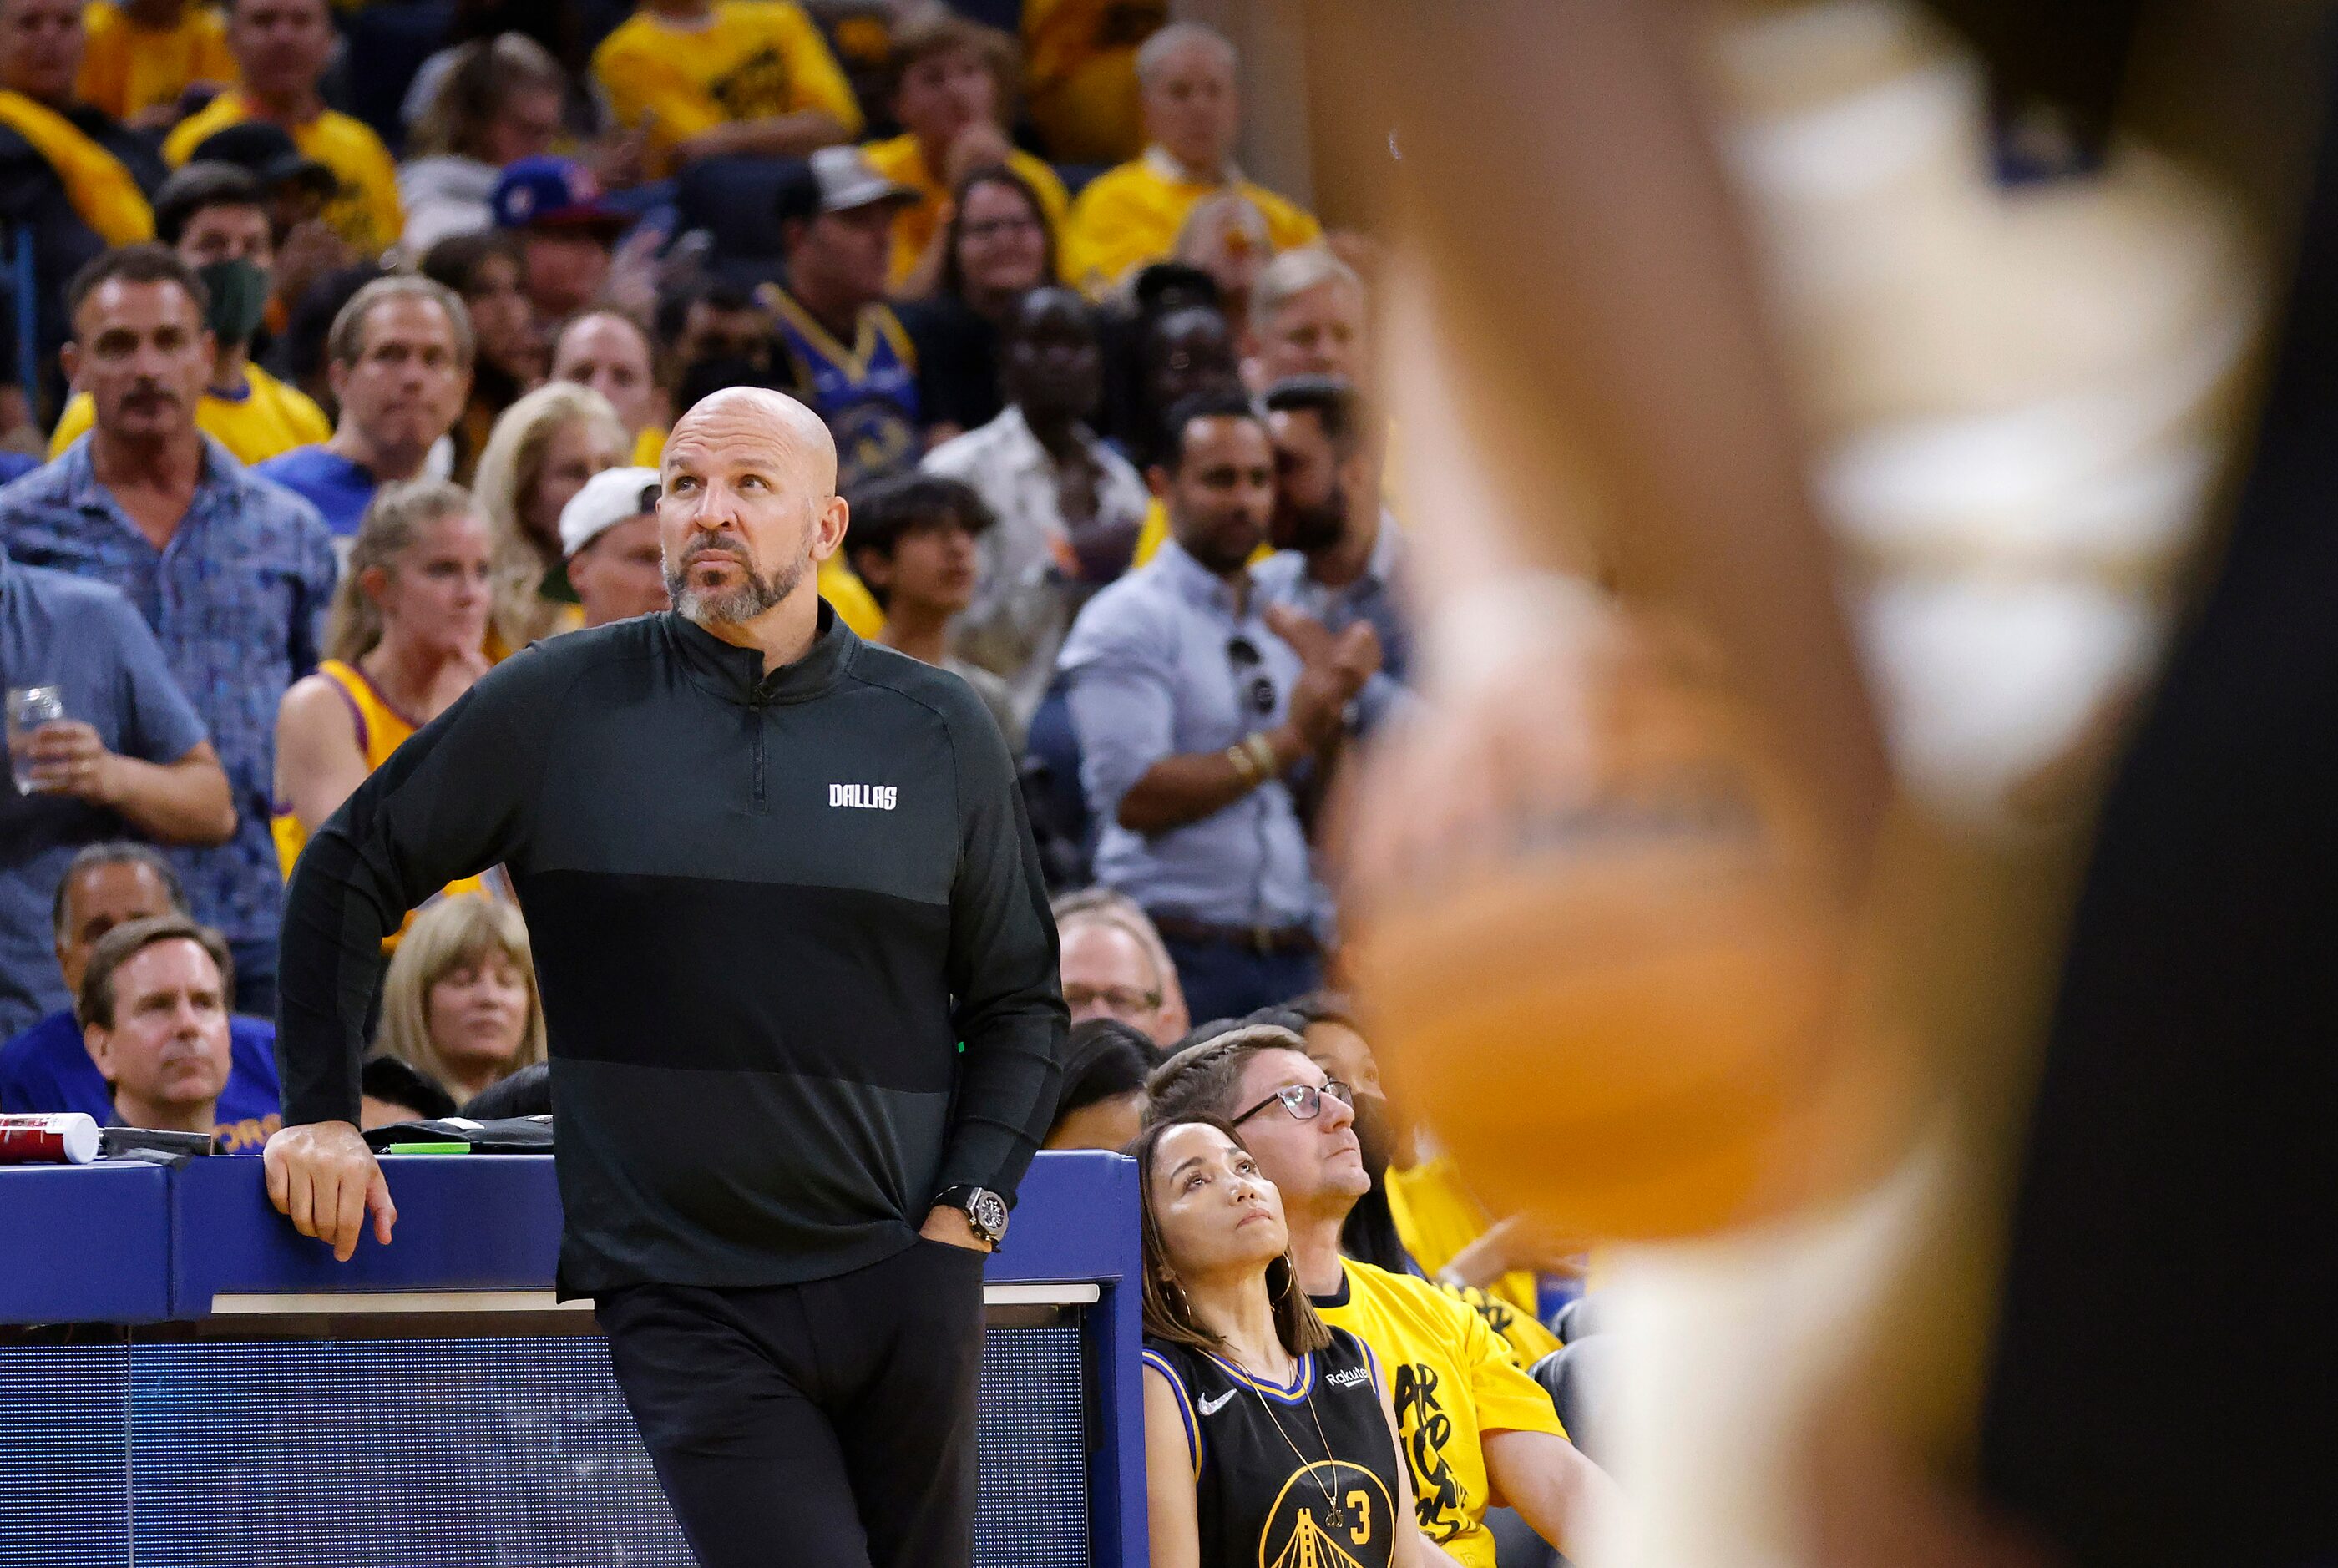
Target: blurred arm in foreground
(1585, 389)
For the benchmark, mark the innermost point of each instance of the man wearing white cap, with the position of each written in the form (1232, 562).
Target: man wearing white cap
(608, 532)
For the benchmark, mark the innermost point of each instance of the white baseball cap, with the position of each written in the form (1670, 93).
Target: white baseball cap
(608, 498)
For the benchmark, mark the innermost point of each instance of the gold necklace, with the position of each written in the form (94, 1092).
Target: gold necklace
(1334, 1517)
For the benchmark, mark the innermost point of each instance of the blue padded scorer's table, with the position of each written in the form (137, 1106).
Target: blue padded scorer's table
(185, 1381)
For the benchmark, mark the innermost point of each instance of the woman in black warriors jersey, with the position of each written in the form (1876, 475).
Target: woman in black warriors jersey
(1268, 1440)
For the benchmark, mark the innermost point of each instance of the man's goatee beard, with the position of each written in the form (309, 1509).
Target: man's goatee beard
(733, 605)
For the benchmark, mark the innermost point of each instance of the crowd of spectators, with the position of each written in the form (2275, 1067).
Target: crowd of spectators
(320, 394)
(348, 389)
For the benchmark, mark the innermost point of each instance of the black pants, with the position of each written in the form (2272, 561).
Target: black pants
(829, 1425)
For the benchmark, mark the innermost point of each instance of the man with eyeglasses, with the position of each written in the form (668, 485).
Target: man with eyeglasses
(1473, 1425)
(1208, 721)
(1115, 967)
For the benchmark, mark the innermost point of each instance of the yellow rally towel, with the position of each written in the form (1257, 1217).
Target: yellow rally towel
(99, 187)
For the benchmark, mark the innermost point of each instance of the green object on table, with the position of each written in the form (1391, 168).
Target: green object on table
(427, 1149)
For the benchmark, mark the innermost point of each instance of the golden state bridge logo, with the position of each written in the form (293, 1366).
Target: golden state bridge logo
(1352, 1530)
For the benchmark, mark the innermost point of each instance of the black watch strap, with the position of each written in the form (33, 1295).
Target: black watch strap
(984, 1210)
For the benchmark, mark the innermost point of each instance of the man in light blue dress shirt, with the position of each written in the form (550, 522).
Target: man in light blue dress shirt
(1203, 726)
(1338, 554)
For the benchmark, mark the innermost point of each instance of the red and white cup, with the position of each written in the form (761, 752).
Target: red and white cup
(64, 1139)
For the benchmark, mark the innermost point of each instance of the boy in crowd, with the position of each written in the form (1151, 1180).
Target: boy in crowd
(913, 542)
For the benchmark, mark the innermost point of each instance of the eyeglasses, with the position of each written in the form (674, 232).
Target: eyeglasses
(1304, 1101)
(992, 228)
(1254, 687)
(1113, 999)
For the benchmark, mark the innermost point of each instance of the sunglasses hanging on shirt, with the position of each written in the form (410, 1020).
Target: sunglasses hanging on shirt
(1254, 687)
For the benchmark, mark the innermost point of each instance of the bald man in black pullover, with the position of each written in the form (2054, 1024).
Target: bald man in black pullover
(775, 876)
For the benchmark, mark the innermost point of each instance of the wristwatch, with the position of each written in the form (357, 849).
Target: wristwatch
(984, 1210)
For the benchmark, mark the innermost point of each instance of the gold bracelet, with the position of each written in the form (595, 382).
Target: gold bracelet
(1245, 768)
(1263, 755)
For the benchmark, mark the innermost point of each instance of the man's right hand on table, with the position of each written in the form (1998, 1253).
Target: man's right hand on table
(323, 1178)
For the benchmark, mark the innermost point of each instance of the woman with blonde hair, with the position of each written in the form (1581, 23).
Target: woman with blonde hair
(402, 642)
(537, 457)
(460, 1004)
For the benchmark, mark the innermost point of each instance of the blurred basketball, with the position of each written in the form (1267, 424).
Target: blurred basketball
(1623, 1017)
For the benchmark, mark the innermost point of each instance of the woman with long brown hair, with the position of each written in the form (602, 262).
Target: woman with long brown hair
(997, 246)
(1269, 1437)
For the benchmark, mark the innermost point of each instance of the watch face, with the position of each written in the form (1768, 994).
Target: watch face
(988, 1212)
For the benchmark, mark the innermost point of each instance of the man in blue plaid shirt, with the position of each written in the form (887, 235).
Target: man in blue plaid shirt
(233, 572)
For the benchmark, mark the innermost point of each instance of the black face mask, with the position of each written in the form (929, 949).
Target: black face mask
(1375, 1136)
(238, 294)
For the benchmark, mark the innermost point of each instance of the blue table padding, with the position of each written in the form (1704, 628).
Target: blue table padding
(466, 1222)
(89, 1243)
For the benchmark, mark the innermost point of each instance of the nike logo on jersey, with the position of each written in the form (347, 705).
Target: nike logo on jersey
(867, 797)
(1211, 1407)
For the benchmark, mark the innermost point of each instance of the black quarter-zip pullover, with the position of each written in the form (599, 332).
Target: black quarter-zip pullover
(766, 909)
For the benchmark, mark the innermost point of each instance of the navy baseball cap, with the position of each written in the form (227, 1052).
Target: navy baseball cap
(551, 192)
(268, 152)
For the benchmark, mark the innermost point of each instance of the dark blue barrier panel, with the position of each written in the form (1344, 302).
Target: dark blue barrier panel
(1075, 1218)
(202, 1455)
(466, 1222)
(492, 1222)
(87, 1243)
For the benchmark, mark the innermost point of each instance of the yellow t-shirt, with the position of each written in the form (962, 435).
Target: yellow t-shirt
(381, 729)
(269, 419)
(367, 212)
(749, 59)
(1080, 74)
(843, 591)
(1437, 1215)
(126, 70)
(1453, 1380)
(902, 160)
(1131, 215)
(1528, 1339)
